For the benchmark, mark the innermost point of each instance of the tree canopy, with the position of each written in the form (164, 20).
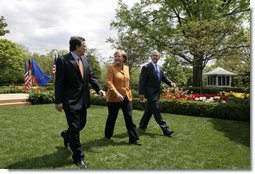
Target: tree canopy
(93, 57)
(194, 31)
(11, 62)
(3, 26)
(136, 49)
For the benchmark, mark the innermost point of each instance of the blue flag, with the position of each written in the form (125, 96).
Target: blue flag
(41, 78)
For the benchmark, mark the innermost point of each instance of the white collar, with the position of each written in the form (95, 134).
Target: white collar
(75, 56)
(154, 64)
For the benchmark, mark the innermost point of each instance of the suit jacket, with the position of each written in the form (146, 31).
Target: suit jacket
(149, 83)
(70, 88)
(118, 82)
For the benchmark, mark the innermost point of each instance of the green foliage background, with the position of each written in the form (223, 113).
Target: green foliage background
(11, 62)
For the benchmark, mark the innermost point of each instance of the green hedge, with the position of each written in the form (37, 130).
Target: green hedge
(216, 90)
(97, 100)
(36, 97)
(231, 111)
(10, 89)
(214, 110)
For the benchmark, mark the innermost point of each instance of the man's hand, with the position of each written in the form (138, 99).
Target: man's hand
(173, 84)
(101, 93)
(59, 107)
(142, 98)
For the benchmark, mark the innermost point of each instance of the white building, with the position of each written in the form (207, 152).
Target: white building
(219, 77)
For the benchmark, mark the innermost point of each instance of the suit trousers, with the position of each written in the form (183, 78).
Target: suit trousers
(113, 110)
(76, 122)
(152, 107)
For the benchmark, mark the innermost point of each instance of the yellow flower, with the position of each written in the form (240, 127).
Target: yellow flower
(236, 94)
(92, 91)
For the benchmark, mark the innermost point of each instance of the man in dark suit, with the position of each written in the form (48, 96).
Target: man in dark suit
(72, 94)
(149, 88)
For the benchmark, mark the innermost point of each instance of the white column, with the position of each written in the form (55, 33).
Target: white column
(216, 81)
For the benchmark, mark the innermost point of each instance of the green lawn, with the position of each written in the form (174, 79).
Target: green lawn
(30, 139)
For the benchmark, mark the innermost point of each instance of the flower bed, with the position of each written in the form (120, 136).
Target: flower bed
(189, 96)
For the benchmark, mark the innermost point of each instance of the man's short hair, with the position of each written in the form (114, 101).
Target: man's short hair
(155, 51)
(74, 42)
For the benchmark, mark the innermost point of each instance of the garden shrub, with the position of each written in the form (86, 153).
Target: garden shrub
(11, 89)
(216, 90)
(97, 100)
(38, 97)
(135, 93)
(229, 110)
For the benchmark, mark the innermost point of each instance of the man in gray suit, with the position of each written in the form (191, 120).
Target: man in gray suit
(149, 88)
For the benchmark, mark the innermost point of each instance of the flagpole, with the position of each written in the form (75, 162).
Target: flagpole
(55, 56)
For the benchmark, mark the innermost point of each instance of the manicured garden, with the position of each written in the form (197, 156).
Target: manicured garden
(214, 104)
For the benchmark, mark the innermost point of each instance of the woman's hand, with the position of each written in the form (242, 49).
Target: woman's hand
(120, 97)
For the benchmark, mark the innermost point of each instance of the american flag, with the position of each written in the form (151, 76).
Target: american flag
(28, 75)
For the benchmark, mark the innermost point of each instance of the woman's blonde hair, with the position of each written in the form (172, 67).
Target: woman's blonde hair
(121, 52)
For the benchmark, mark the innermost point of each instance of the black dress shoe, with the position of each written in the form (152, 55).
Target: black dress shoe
(143, 128)
(168, 132)
(135, 143)
(81, 164)
(107, 138)
(66, 142)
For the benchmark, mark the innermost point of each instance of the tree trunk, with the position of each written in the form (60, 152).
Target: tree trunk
(197, 71)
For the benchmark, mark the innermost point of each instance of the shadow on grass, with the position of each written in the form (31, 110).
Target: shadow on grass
(60, 157)
(90, 145)
(54, 160)
(141, 132)
(236, 131)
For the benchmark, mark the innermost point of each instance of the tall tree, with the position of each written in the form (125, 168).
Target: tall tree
(93, 57)
(178, 73)
(46, 61)
(11, 62)
(195, 31)
(3, 26)
(136, 48)
(239, 63)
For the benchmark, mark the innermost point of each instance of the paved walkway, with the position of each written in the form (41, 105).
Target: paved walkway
(13, 96)
(13, 100)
